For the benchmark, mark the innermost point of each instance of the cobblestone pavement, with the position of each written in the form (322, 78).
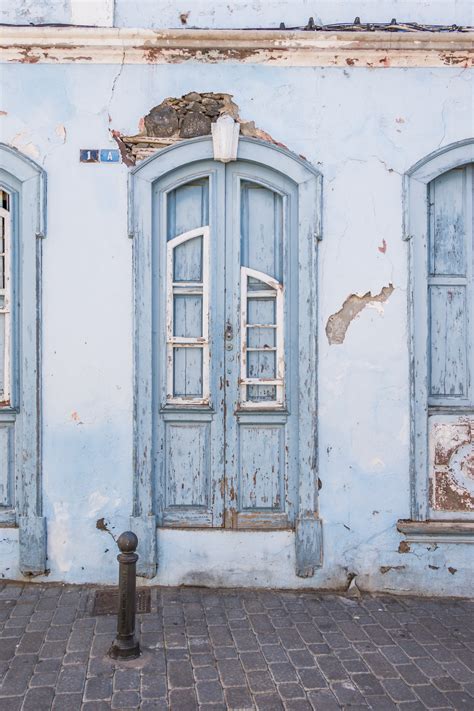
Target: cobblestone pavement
(228, 649)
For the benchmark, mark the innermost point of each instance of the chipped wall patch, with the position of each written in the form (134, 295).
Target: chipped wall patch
(180, 118)
(338, 323)
(452, 464)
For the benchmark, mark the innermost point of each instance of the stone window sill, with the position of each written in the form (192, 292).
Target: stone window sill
(437, 531)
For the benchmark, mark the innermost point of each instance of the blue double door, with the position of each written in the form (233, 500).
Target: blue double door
(226, 323)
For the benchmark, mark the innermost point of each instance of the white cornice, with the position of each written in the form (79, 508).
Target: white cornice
(60, 45)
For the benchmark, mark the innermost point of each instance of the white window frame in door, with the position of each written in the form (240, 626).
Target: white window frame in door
(187, 289)
(276, 292)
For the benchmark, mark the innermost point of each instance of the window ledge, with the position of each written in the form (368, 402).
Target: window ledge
(437, 531)
(7, 518)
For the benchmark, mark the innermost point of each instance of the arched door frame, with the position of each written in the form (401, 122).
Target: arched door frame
(25, 181)
(309, 185)
(416, 229)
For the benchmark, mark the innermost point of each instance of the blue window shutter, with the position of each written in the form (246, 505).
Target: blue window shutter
(450, 288)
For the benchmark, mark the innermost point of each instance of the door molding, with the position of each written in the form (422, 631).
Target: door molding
(309, 185)
(26, 183)
(415, 232)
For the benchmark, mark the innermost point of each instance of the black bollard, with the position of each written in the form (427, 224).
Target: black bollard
(126, 645)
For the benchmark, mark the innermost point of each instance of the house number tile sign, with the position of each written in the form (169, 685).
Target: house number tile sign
(99, 155)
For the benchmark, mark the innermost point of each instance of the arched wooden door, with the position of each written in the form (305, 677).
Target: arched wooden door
(232, 347)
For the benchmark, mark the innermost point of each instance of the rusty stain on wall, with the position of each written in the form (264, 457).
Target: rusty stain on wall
(339, 322)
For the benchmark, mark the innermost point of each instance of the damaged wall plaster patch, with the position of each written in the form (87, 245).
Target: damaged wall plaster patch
(338, 323)
(177, 119)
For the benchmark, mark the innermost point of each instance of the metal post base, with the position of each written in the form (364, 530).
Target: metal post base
(125, 649)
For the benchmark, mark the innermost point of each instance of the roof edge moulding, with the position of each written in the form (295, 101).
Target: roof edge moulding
(355, 48)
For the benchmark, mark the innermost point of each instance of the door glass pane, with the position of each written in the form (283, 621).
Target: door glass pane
(187, 321)
(261, 311)
(187, 372)
(188, 207)
(261, 364)
(262, 229)
(261, 337)
(187, 261)
(448, 205)
(261, 393)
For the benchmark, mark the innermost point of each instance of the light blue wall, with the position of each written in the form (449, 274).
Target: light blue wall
(237, 14)
(362, 129)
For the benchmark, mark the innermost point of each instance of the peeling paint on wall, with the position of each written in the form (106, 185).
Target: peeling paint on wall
(338, 323)
(452, 464)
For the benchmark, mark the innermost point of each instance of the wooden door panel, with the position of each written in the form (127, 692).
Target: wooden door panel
(189, 288)
(261, 437)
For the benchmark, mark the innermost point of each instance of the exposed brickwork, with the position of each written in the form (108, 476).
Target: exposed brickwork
(212, 650)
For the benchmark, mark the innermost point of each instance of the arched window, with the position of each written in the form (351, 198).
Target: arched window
(225, 344)
(440, 228)
(22, 193)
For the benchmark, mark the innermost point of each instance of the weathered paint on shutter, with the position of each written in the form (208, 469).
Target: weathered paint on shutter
(451, 367)
(6, 464)
(450, 288)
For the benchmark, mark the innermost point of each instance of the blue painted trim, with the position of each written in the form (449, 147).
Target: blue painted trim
(26, 181)
(415, 231)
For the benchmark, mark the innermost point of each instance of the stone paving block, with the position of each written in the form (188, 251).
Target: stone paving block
(127, 699)
(312, 678)
(283, 671)
(460, 700)
(382, 703)
(412, 674)
(431, 697)
(323, 701)
(297, 705)
(98, 688)
(67, 702)
(225, 652)
(181, 699)
(368, 684)
(261, 682)
(446, 683)
(347, 693)
(289, 690)
(301, 658)
(11, 703)
(238, 698)
(268, 702)
(125, 679)
(209, 692)
(44, 679)
(38, 699)
(153, 686)
(398, 690)
(231, 672)
(180, 674)
(71, 679)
